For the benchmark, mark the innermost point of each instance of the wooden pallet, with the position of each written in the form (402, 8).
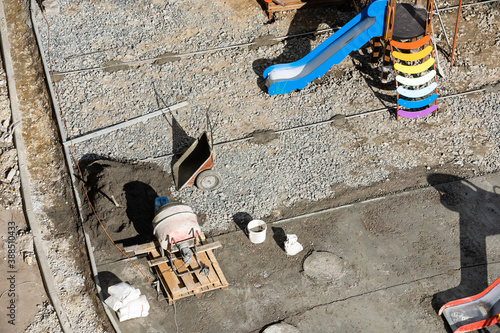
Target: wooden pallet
(296, 4)
(177, 287)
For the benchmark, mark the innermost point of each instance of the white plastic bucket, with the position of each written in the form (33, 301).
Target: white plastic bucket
(257, 231)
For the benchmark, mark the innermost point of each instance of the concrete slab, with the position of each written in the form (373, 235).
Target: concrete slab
(405, 255)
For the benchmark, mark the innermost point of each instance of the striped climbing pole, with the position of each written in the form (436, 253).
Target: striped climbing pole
(416, 82)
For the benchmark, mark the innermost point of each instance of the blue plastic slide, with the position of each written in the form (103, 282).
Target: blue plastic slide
(283, 78)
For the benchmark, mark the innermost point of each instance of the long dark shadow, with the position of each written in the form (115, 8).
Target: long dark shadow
(479, 217)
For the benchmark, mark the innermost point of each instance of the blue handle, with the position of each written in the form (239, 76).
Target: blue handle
(160, 201)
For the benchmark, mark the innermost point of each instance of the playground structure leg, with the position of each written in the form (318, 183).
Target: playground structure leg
(385, 64)
(376, 45)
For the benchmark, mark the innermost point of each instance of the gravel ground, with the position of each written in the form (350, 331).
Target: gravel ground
(303, 164)
(269, 178)
(9, 174)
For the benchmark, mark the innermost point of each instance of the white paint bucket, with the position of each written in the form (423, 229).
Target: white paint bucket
(257, 231)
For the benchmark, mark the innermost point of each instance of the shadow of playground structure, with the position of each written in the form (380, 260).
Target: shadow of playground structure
(479, 217)
(298, 44)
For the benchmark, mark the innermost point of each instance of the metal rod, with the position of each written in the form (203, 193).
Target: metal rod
(151, 60)
(456, 32)
(468, 4)
(124, 124)
(366, 113)
(436, 54)
(463, 93)
(444, 30)
(89, 53)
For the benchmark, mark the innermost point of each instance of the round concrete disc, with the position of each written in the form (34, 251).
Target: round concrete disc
(324, 266)
(281, 328)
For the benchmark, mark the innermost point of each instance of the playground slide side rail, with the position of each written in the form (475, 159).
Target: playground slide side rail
(283, 78)
(332, 54)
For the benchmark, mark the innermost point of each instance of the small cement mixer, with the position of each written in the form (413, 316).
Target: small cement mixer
(176, 228)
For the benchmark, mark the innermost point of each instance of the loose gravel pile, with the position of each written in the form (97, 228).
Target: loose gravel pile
(297, 165)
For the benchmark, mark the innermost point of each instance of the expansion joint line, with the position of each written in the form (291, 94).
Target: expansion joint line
(31, 218)
(235, 46)
(299, 313)
(348, 205)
